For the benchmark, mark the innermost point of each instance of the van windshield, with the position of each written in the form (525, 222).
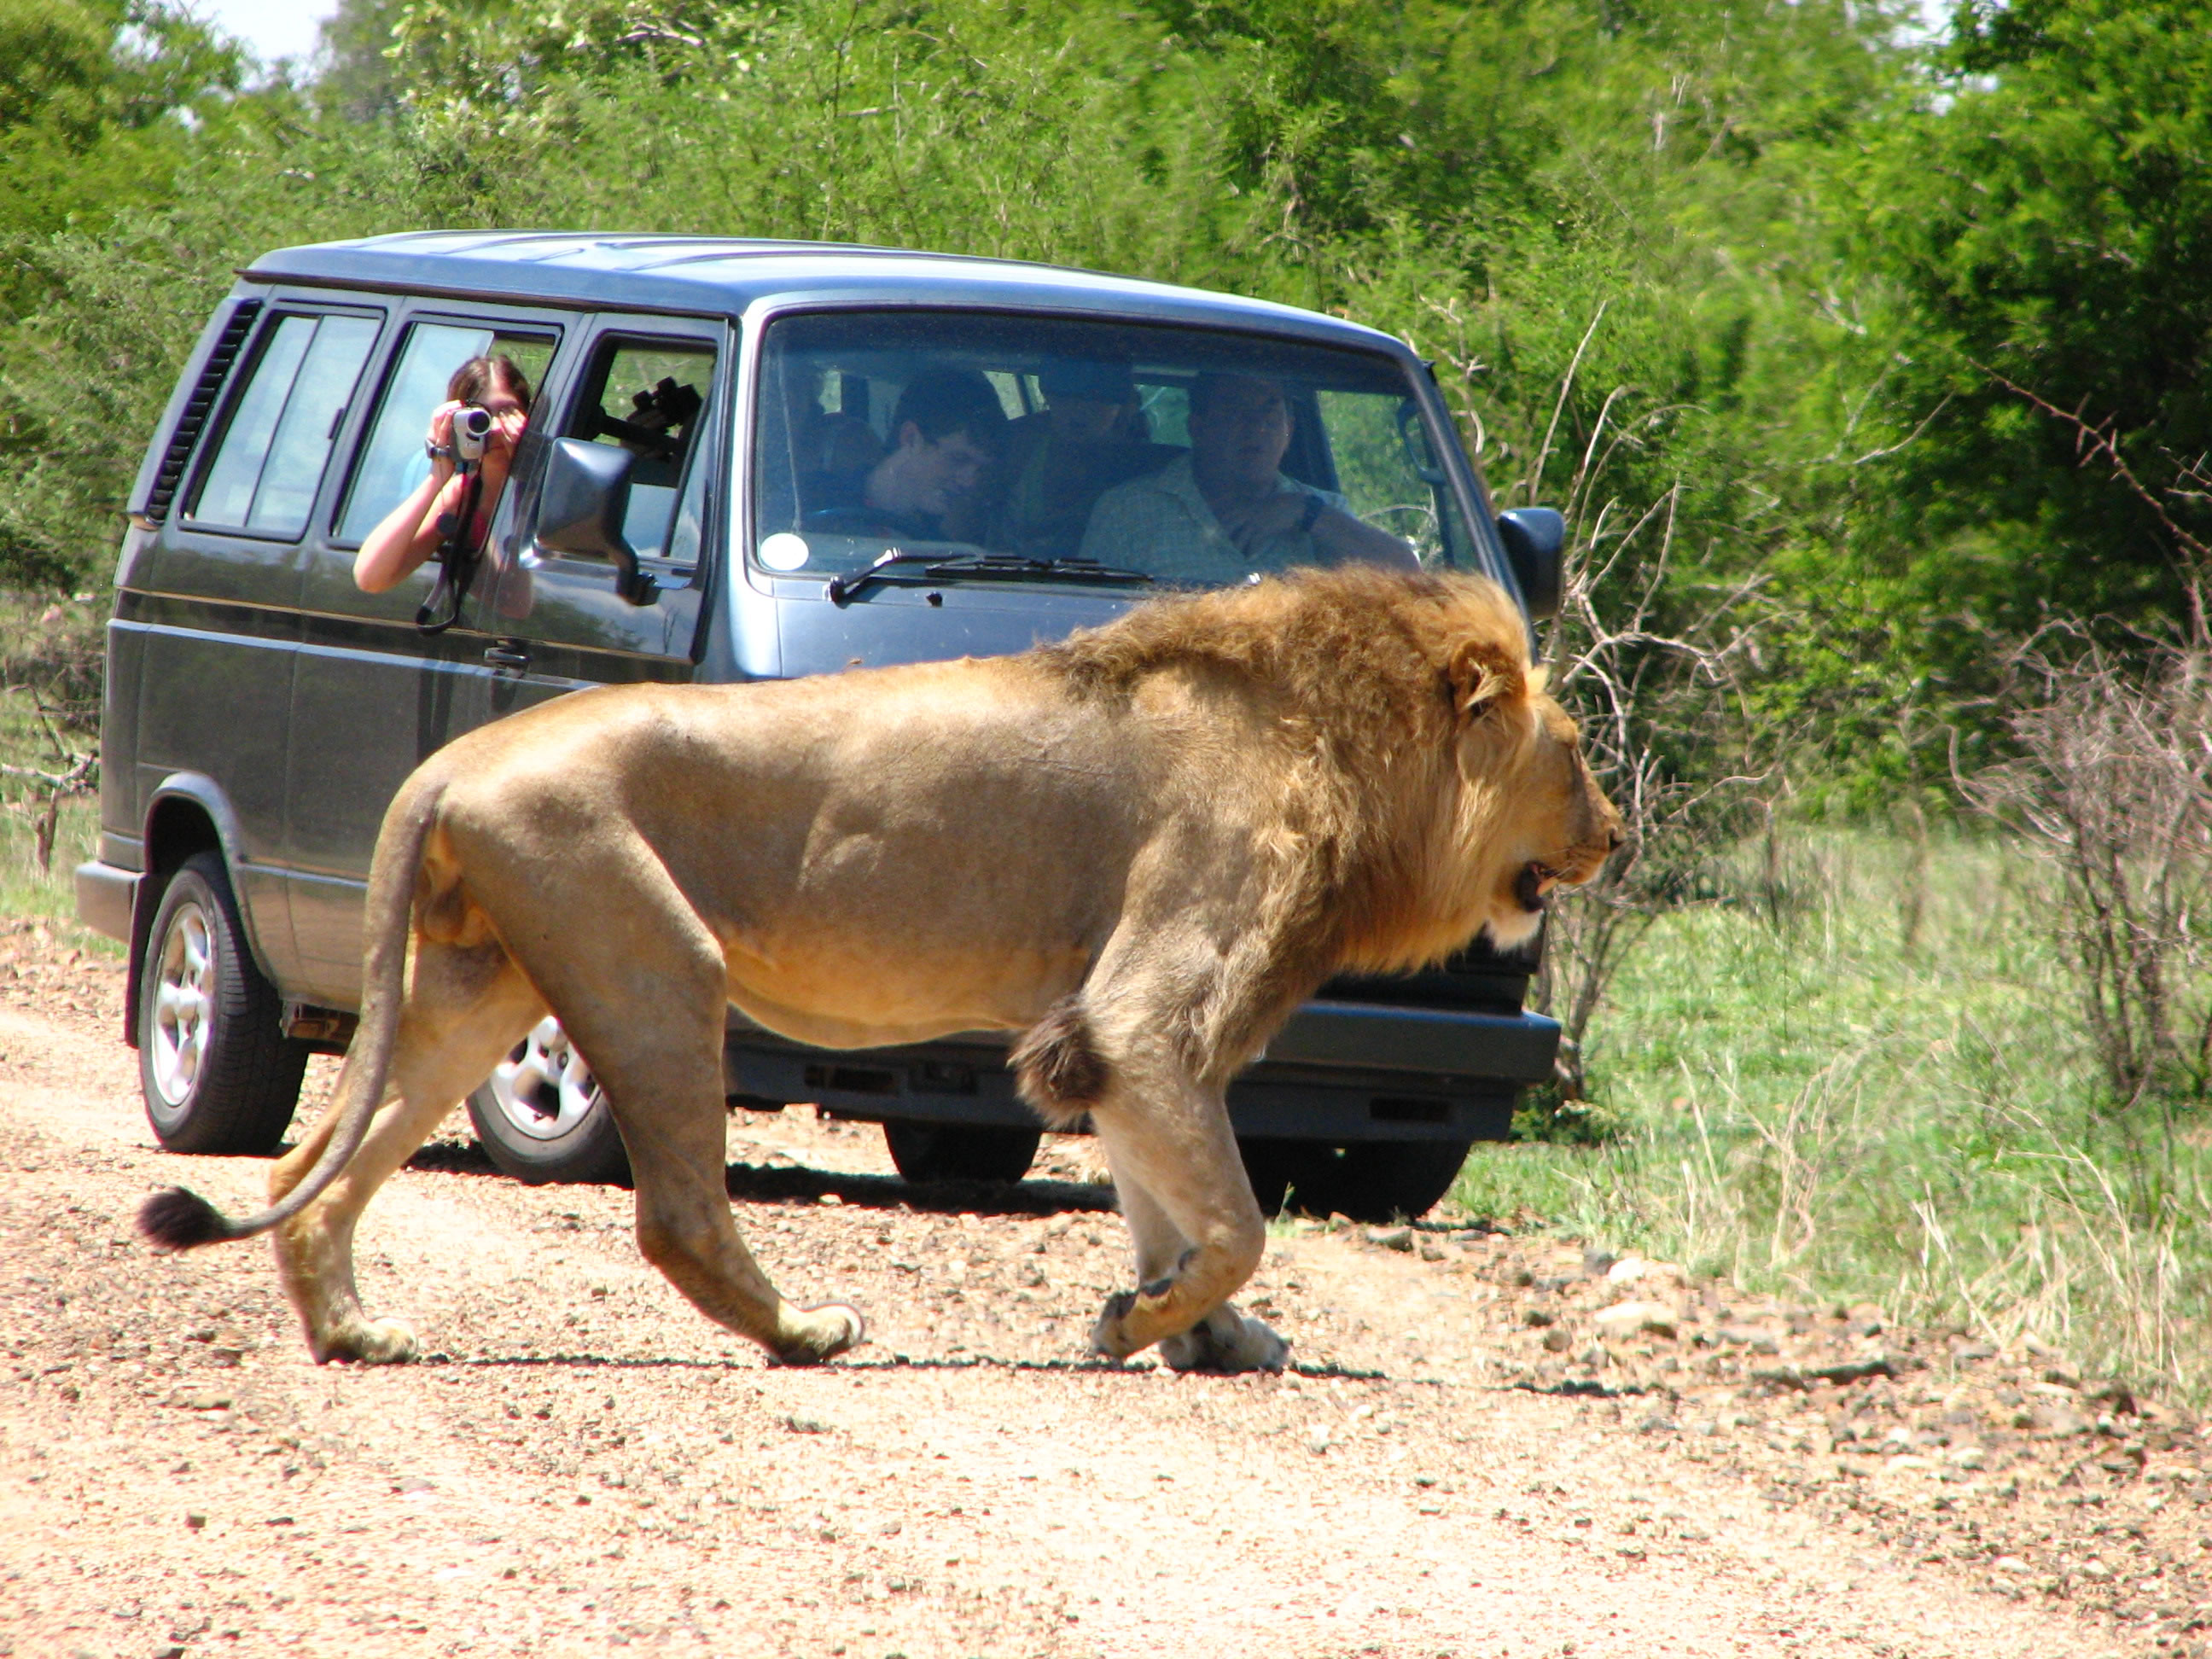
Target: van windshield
(1190, 457)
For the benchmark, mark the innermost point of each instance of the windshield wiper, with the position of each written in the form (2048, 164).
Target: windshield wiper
(1006, 565)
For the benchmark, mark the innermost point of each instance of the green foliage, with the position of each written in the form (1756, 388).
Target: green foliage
(1488, 180)
(94, 101)
(2042, 212)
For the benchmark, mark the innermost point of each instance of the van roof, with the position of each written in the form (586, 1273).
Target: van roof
(722, 275)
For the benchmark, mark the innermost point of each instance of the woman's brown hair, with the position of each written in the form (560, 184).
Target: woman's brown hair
(477, 378)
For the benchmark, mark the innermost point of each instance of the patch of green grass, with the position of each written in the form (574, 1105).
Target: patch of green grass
(51, 894)
(1802, 1102)
(33, 740)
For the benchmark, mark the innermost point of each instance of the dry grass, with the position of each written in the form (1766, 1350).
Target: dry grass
(1795, 1097)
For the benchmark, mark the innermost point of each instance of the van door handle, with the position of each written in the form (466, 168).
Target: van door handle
(507, 654)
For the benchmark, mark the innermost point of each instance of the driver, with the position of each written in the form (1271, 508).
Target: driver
(947, 429)
(1225, 511)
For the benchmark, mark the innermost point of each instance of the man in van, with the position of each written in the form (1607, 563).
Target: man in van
(1226, 511)
(947, 429)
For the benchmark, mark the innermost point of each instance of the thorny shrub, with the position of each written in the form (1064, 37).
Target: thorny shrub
(2112, 787)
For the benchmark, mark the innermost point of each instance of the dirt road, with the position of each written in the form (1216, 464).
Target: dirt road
(585, 1464)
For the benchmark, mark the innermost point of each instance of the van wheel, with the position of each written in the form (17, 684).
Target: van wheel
(542, 1117)
(217, 1071)
(961, 1152)
(1366, 1181)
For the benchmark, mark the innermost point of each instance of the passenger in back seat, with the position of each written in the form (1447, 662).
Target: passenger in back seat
(1090, 436)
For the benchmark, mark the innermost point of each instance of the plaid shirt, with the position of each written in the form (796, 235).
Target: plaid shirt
(1162, 526)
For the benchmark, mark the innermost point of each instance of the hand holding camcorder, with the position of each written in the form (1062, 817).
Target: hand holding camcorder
(472, 427)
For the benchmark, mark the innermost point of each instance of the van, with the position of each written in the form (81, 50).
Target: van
(717, 482)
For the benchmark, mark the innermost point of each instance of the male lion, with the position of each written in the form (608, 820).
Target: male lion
(1142, 848)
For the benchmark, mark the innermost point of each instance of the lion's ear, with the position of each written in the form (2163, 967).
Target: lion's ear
(1486, 676)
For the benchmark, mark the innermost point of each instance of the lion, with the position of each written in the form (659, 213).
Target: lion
(1140, 849)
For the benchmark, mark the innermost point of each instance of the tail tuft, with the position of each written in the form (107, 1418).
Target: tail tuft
(174, 1219)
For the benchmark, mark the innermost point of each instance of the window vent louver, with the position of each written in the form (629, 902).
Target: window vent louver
(220, 363)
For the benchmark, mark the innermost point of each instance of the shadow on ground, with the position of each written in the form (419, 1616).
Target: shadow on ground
(796, 1183)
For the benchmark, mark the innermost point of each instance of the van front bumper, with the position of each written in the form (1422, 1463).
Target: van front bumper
(1337, 1070)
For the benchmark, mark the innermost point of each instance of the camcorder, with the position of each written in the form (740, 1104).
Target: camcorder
(472, 428)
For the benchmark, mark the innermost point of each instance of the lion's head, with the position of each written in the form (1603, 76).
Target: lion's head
(1453, 796)
(1530, 816)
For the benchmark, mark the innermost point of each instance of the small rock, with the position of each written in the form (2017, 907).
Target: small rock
(2058, 1422)
(1430, 1252)
(195, 1519)
(2009, 1564)
(1558, 1340)
(1539, 1316)
(1631, 1269)
(1391, 1238)
(1967, 1457)
(1626, 1319)
(2116, 1395)
(1317, 1437)
(1597, 1263)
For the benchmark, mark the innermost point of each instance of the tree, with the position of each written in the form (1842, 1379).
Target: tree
(2043, 213)
(98, 100)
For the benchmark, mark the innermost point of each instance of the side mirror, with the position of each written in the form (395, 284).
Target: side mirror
(580, 508)
(1533, 538)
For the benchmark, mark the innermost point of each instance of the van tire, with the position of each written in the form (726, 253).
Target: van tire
(543, 1118)
(219, 1075)
(1367, 1180)
(928, 1153)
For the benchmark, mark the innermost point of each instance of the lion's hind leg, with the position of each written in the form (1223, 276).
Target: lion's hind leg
(674, 1126)
(465, 1008)
(656, 1048)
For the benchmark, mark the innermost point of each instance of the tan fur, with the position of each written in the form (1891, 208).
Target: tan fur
(1143, 848)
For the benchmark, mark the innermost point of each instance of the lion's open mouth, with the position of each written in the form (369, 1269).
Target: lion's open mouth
(1531, 886)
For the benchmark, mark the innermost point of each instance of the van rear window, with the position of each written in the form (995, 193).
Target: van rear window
(268, 462)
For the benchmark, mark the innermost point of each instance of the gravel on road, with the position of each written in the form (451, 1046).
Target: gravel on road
(1490, 1444)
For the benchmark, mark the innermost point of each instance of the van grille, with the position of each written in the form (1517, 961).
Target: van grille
(189, 425)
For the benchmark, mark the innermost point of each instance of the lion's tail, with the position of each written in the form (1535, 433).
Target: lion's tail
(175, 1219)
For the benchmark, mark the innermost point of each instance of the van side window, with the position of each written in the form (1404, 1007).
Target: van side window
(649, 397)
(268, 462)
(392, 459)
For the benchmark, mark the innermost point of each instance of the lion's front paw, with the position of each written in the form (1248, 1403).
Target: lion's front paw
(1111, 1336)
(1225, 1340)
(822, 1333)
(369, 1342)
